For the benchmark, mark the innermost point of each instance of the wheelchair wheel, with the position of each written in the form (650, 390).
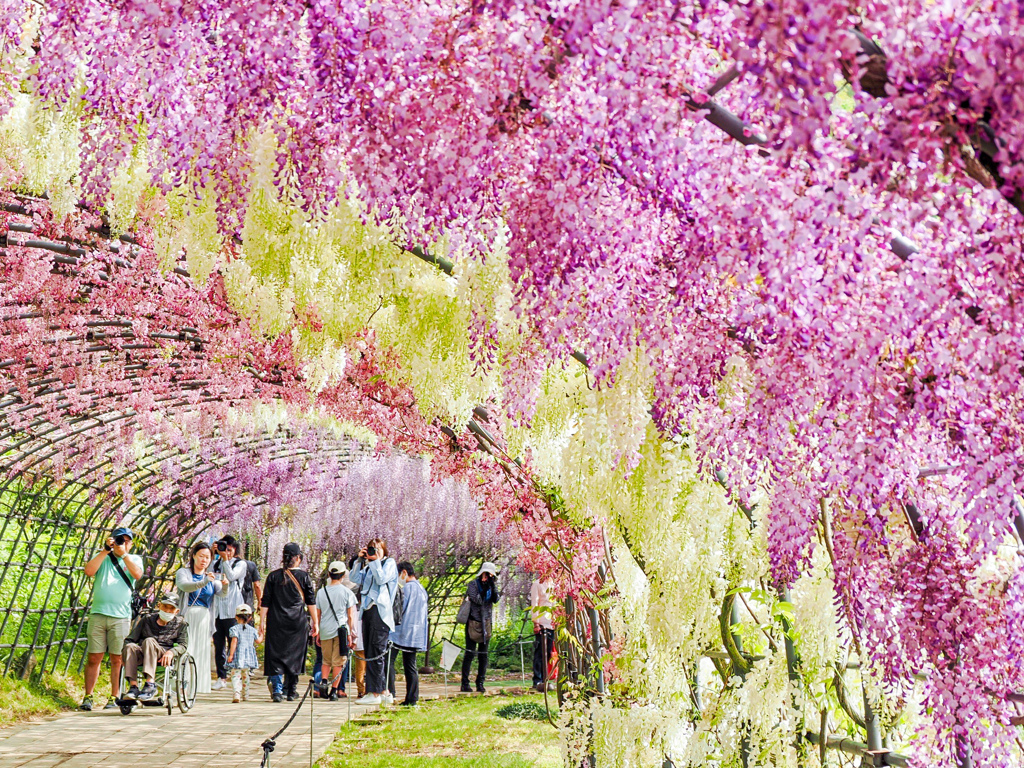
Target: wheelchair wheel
(187, 683)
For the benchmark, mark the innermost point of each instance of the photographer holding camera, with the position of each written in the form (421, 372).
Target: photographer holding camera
(114, 573)
(197, 587)
(232, 572)
(483, 595)
(377, 578)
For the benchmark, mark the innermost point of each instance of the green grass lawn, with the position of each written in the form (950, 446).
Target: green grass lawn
(23, 699)
(455, 733)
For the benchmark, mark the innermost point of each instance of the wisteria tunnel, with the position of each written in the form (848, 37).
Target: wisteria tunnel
(67, 480)
(52, 524)
(704, 319)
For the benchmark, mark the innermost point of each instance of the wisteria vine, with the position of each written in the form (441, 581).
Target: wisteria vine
(755, 279)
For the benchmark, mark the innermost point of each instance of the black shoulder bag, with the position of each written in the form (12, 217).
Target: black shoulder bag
(342, 627)
(138, 601)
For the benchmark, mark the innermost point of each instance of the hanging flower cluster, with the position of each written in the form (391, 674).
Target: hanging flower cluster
(394, 498)
(117, 373)
(714, 204)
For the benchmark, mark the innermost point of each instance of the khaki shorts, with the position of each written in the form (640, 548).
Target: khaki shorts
(333, 651)
(107, 633)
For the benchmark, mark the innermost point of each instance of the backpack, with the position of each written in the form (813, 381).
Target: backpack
(397, 604)
(252, 574)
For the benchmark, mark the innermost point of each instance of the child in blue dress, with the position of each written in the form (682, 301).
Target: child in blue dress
(242, 655)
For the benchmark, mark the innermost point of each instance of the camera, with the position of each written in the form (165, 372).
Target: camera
(120, 540)
(371, 550)
(222, 547)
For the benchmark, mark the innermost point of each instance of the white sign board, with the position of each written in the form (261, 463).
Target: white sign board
(449, 653)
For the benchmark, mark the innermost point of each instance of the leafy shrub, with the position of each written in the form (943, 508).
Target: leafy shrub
(504, 652)
(522, 710)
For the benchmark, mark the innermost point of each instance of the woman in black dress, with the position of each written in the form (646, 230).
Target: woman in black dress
(287, 596)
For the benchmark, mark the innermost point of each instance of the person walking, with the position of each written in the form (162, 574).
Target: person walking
(288, 596)
(377, 578)
(543, 631)
(242, 652)
(410, 636)
(233, 571)
(336, 605)
(483, 594)
(197, 588)
(114, 572)
(158, 638)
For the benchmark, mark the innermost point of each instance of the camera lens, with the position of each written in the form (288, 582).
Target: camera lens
(222, 547)
(120, 540)
(371, 550)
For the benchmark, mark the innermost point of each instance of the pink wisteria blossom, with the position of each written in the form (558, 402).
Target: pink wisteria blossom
(635, 222)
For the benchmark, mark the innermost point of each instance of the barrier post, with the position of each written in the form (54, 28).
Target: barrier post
(522, 661)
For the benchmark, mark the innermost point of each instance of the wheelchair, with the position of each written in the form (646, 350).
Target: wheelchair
(179, 685)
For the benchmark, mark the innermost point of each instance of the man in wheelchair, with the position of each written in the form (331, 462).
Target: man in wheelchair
(157, 638)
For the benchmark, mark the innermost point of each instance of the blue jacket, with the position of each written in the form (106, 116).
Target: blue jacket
(378, 580)
(412, 632)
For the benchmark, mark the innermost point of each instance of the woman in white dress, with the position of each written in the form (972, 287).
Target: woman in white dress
(196, 588)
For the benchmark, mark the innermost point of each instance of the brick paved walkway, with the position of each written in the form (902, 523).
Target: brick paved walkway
(215, 734)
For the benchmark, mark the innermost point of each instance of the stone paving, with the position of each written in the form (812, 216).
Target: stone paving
(215, 734)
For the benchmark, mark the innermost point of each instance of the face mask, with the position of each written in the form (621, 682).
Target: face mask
(167, 615)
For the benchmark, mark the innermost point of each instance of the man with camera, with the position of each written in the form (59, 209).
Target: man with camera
(114, 572)
(232, 572)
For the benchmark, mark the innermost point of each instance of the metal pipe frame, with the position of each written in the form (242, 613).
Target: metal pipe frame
(79, 507)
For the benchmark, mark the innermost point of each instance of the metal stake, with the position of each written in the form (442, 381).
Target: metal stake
(522, 662)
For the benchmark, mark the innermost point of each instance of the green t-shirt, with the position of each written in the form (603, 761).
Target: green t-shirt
(110, 595)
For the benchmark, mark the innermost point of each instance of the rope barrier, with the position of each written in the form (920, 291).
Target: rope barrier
(387, 650)
(269, 744)
(522, 639)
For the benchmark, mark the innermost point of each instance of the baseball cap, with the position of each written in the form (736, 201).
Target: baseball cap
(337, 567)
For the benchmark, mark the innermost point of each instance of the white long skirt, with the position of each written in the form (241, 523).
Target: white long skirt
(199, 638)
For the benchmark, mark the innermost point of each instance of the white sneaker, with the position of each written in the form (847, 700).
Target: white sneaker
(368, 699)
(219, 685)
(387, 698)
